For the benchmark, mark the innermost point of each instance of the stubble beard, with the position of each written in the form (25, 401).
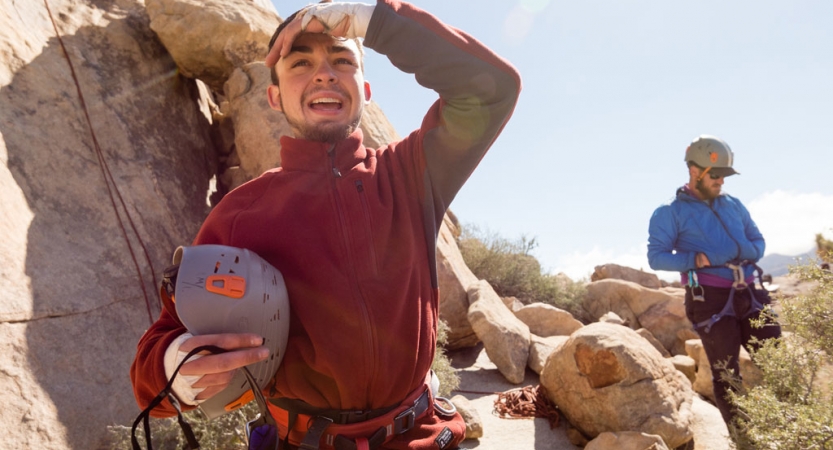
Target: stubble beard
(706, 193)
(323, 132)
(327, 132)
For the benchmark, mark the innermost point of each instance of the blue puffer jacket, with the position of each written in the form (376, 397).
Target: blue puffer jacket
(724, 231)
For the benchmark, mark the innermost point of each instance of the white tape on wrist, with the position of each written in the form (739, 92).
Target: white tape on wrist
(182, 384)
(331, 14)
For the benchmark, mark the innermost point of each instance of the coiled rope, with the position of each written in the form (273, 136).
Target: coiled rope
(523, 403)
(529, 401)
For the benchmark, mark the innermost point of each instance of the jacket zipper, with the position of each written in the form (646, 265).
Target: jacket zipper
(355, 278)
(367, 217)
(726, 229)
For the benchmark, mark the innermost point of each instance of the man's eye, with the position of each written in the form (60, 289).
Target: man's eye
(345, 61)
(300, 63)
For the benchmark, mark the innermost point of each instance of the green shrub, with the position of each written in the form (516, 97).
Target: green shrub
(793, 407)
(225, 432)
(449, 380)
(512, 271)
(824, 248)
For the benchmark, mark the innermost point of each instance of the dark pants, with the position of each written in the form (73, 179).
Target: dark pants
(722, 343)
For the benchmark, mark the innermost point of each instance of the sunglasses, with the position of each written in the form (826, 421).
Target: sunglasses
(715, 176)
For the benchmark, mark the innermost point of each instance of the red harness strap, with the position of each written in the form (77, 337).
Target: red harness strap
(358, 436)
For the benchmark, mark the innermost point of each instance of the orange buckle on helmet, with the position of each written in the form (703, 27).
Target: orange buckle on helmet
(228, 285)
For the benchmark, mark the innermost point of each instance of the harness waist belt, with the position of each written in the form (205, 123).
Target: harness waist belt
(312, 430)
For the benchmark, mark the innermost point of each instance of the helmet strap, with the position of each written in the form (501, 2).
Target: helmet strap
(703, 174)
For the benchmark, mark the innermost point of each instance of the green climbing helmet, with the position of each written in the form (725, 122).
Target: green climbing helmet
(712, 153)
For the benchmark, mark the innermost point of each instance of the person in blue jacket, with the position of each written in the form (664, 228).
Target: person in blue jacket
(710, 238)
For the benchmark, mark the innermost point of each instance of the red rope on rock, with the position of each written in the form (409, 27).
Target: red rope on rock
(529, 401)
(108, 177)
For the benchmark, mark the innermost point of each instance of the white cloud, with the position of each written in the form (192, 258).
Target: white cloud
(578, 265)
(790, 221)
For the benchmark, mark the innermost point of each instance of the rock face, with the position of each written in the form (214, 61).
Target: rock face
(92, 209)
(608, 378)
(73, 304)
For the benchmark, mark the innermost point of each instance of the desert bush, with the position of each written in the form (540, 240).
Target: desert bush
(512, 270)
(824, 248)
(224, 432)
(449, 380)
(793, 407)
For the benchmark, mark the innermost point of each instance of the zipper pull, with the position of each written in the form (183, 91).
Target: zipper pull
(332, 154)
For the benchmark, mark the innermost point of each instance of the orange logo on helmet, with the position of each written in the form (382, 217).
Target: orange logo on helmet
(713, 157)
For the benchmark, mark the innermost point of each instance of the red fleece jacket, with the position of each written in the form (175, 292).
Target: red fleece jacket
(353, 230)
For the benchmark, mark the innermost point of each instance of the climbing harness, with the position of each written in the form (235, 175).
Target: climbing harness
(311, 428)
(739, 283)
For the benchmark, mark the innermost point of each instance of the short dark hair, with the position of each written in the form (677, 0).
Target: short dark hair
(275, 38)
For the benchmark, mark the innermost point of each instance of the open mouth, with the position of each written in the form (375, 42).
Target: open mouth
(325, 104)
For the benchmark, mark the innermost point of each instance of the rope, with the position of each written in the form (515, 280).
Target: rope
(108, 178)
(529, 401)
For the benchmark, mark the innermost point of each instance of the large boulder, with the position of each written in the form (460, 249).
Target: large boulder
(208, 39)
(455, 278)
(626, 440)
(505, 338)
(540, 349)
(91, 210)
(615, 271)
(546, 320)
(660, 311)
(608, 378)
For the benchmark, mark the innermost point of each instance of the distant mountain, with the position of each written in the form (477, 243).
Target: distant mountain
(778, 265)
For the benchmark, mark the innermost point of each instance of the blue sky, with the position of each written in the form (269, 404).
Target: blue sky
(613, 93)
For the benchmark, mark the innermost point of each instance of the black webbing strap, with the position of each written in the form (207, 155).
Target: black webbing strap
(192, 444)
(144, 416)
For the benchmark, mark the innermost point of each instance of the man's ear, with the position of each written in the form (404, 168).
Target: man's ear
(367, 92)
(693, 171)
(273, 94)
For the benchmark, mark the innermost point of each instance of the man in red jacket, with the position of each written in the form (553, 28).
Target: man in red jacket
(353, 230)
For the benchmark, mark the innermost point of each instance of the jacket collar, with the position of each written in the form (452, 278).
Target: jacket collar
(311, 156)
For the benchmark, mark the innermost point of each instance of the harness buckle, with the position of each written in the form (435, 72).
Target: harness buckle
(698, 296)
(409, 415)
(737, 273)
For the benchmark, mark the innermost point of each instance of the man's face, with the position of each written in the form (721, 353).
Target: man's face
(709, 187)
(322, 91)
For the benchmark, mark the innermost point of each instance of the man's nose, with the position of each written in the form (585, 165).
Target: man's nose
(325, 73)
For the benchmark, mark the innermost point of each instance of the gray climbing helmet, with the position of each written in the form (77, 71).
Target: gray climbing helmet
(712, 153)
(221, 289)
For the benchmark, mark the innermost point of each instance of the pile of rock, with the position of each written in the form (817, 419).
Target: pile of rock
(629, 380)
